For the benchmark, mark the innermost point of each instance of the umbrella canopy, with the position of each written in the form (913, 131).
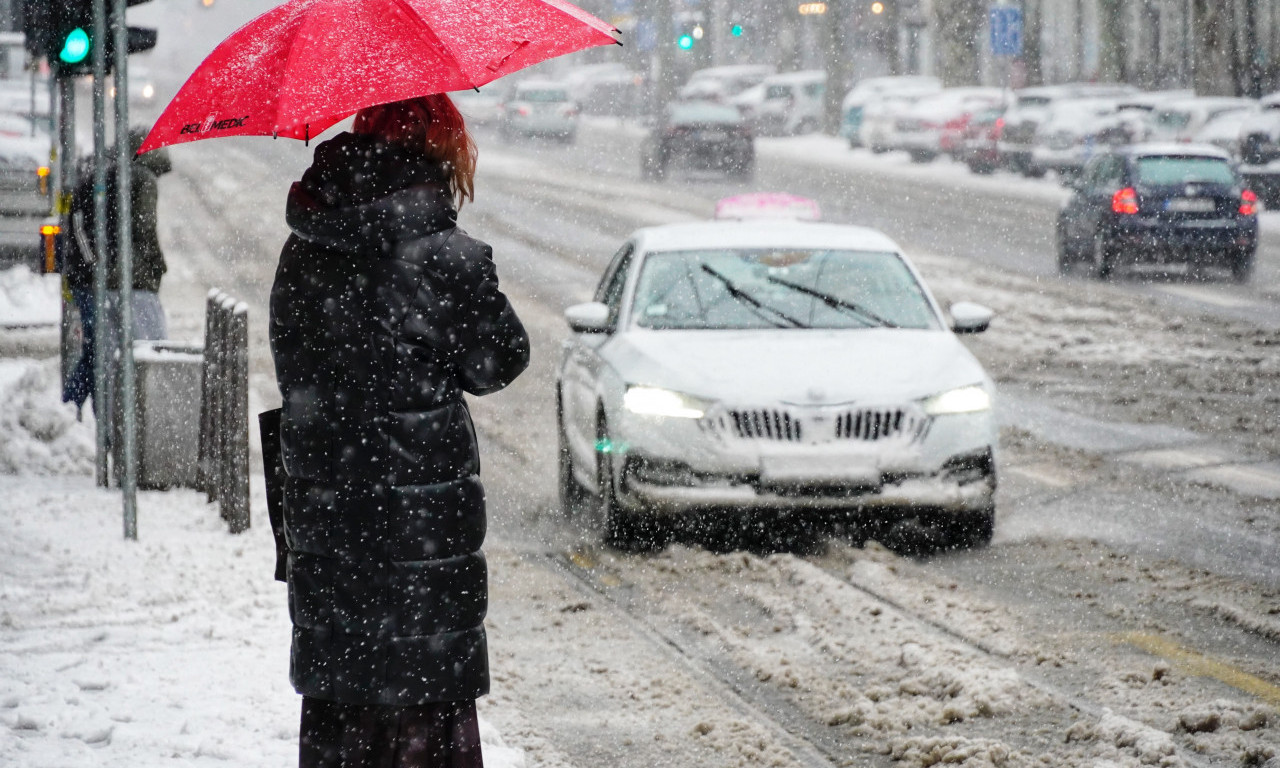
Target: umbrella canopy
(307, 64)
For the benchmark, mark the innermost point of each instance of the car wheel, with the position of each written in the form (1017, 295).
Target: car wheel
(1033, 172)
(623, 530)
(572, 493)
(1103, 256)
(921, 155)
(1242, 267)
(1066, 259)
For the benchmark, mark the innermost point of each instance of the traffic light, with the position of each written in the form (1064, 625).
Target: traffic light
(61, 31)
(736, 30)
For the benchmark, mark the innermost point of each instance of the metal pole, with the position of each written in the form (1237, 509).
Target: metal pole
(208, 386)
(65, 183)
(124, 219)
(104, 412)
(236, 500)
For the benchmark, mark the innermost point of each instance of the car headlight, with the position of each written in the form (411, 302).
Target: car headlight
(968, 399)
(652, 401)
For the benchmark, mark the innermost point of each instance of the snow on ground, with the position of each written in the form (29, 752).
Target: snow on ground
(173, 648)
(28, 299)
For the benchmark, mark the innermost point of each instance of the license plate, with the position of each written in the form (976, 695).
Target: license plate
(711, 135)
(1191, 204)
(824, 470)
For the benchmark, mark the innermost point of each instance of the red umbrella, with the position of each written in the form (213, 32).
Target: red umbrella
(307, 64)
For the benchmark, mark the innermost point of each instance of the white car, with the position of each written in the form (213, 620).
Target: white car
(763, 366)
(540, 108)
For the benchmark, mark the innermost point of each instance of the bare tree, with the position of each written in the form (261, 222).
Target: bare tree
(960, 27)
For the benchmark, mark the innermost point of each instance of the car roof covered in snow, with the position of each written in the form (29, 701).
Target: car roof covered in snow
(1175, 149)
(764, 233)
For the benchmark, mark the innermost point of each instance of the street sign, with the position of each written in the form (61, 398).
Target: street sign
(1006, 30)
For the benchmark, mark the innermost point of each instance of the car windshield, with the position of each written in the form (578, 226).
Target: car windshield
(1158, 171)
(542, 95)
(779, 288)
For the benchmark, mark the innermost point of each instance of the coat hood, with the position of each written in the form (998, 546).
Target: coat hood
(362, 191)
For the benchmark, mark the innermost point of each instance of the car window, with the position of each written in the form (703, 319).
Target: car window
(1108, 174)
(1157, 171)
(777, 92)
(1172, 120)
(702, 112)
(778, 288)
(615, 279)
(815, 90)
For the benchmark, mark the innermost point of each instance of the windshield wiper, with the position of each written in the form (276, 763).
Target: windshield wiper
(866, 315)
(752, 301)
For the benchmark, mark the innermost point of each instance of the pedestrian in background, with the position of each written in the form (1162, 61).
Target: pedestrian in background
(148, 258)
(383, 313)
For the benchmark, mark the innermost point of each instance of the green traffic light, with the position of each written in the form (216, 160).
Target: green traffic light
(75, 48)
(685, 42)
(736, 30)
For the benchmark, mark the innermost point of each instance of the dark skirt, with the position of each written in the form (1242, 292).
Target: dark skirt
(443, 735)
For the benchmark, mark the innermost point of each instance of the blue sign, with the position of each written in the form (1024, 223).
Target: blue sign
(646, 35)
(1006, 30)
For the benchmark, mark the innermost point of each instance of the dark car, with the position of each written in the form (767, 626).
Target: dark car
(1159, 204)
(699, 135)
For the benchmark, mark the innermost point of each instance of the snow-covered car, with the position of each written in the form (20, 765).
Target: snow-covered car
(762, 366)
(1031, 107)
(935, 124)
(1181, 119)
(878, 130)
(792, 103)
(720, 84)
(1224, 131)
(1069, 135)
(540, 108)
(1260, 151)
(874, 89)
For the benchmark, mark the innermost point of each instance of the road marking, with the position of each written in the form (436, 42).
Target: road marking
(1201, 666)
(1045, 474)
(1208, 296)
(1176, 459)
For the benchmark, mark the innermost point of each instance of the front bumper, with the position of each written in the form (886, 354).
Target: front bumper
(942, 464)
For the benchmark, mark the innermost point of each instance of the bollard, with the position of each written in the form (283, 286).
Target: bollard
(224, 410)
(208, 377)
(235, 500)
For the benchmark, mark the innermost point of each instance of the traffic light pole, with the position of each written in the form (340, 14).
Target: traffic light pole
(63, 185)
(124, 219)
(100, 384)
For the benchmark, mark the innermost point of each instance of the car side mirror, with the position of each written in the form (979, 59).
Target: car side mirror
(592, 317)
(967, 317)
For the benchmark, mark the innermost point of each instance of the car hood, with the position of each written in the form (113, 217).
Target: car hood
(796, 366)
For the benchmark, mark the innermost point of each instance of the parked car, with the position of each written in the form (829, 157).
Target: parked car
(614, 93)
(1030, 108)
(1224, 131)
(1260, 151)
(1181, 119)
(935, 124)
(1159, 203)
(879, 126)
(723, 366)
(699, 135)
(540, 108)
(792, 103)
(874, 89)
(1073, 130)
(580, 79)
(720, 84)
(980, 143)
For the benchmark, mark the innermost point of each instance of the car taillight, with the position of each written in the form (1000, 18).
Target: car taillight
(524, 111)
(1125, 201)
(1248, 203)
(570, 111)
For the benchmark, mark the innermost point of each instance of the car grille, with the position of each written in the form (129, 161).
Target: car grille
(854, 424)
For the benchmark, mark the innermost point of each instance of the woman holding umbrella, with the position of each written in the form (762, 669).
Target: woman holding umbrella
(383, 313)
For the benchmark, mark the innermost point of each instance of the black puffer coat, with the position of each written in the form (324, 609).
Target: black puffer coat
(382, 314)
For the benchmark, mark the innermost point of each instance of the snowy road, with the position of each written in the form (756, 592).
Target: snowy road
(1126, 613)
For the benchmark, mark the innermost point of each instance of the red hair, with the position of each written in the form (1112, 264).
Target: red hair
(431, 125)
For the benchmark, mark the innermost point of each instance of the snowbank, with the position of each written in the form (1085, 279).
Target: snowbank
(39, 434)
(29, 299)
